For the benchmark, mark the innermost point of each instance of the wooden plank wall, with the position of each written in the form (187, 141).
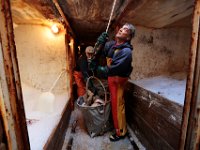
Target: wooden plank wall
(155, 120)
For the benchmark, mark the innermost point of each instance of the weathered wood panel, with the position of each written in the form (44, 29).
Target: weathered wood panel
(155, 118)
(57, 137)
(143, 130)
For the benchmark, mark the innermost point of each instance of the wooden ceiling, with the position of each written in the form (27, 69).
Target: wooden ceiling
(88, 18)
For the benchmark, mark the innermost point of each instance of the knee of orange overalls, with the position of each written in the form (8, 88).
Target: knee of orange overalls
(78, 77)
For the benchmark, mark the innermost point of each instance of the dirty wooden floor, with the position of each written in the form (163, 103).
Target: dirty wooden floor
(77, 137)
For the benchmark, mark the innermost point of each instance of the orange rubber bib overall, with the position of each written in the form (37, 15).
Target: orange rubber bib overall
(116, 87)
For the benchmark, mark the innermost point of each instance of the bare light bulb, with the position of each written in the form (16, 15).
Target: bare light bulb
(54, 28)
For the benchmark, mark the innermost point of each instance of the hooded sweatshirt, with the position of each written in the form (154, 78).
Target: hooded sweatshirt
(121, 58)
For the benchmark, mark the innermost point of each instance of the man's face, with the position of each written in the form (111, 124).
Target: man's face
(123, 33)
(89, 55)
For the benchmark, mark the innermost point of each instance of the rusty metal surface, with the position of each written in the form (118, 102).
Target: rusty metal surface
(45, 7)
(11, 97)
(64, 19)
(158, 14)
(89, 18)
(191, 85)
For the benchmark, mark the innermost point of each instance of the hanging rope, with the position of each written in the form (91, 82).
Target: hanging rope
(56, 80)
(111, 14)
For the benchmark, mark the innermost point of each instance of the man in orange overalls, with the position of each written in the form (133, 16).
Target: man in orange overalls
(82, 71)
(119, 58)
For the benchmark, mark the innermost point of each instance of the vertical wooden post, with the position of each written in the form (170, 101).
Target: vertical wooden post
(193, 135)
(67, 25)
(69, 51)
(71, 65)
(190, 116)
(12, 107)
(68, 67)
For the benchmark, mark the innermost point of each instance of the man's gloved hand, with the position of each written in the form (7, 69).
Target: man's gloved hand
(102, 38)
(102, 71)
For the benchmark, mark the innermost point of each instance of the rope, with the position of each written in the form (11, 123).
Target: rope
(111, 14)
(56, 80)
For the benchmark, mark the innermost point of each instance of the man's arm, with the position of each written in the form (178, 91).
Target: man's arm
(99, 45)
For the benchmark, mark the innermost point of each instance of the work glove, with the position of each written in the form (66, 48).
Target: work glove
(102, 71)
(102, 38)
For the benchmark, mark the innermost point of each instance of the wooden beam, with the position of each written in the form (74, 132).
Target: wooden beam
(193, 133)
(12, 107)
(193, 76)
(70, 66)
(56, 139)
(156, 14)
(69, 49)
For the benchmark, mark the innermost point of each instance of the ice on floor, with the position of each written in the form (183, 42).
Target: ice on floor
(40, 123)
(171, 87)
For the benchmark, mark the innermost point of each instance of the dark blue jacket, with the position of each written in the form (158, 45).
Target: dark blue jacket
(82, 66)
(121, 58)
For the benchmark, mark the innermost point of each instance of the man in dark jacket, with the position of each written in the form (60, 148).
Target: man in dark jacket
(82, 71)
(118, 54)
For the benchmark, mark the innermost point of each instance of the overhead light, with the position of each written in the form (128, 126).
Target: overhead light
(54, 28)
